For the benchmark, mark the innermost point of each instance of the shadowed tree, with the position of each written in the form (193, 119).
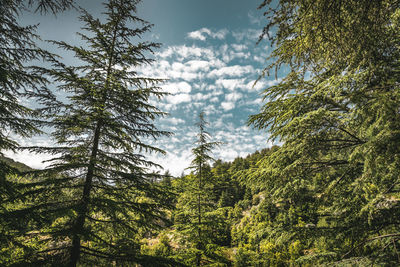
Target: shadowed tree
(95, 198)
(19, 83)
(18, 80)
(336, 114)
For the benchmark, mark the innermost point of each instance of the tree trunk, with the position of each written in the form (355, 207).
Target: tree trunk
(82, 211)
(76, 241)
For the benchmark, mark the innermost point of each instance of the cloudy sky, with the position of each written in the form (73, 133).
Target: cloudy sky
(211, 60)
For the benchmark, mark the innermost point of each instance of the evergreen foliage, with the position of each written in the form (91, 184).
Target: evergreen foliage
(90, 203)
(335, 178)
(328, 196)
(195, 219)
(18, 79)
(222, 231)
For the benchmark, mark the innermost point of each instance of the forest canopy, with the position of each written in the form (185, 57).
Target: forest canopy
(327, 194)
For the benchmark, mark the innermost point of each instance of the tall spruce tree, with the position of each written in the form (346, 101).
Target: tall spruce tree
(337, 115)
(195, 204)
(89, 205)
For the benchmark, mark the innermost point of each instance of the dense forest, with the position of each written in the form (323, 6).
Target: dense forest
(327, 195)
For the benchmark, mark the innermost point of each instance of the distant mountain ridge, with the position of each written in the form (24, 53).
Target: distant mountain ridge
(15, 164)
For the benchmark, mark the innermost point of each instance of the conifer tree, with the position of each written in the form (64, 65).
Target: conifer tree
(195, 204)
(18, 79)
(90, 205)
(19, 83)
(336, 114)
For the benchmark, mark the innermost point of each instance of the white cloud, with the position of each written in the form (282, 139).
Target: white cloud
(199, 35)
(214, 99)
(261, 59)
(240, 55)
(221, 34)
(203, 65)
(33, 160)
(184, 52)
(204, 32)
(233, 96)
(174, 121)
(261, 84)
(231, 71)
(239, 47)
(218, 123)
(249, 35)
(187, 76)
(201, 97)
(227, 105)
(180, 87)
(253, 85)
(177, 66)
(273, 82)
(198, 65)
(179, 98)
(254, 102)
(259, 138)
(176, 161)
(210, 110)
(230, 84)
(228, 154)
(236, 51)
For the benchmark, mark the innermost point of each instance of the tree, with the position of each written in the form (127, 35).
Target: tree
(19, 82)
(336, 114)
(194, 204)
(96, 198)
(17, 79)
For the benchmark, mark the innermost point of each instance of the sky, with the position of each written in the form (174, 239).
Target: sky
(210, 58)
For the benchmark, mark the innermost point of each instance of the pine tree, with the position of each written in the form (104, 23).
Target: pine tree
(336, 114)
(96, 198)
(195, 205)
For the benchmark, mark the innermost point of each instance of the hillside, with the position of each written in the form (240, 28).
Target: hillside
(15, 164)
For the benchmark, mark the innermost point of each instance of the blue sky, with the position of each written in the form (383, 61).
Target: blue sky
(211, 60)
